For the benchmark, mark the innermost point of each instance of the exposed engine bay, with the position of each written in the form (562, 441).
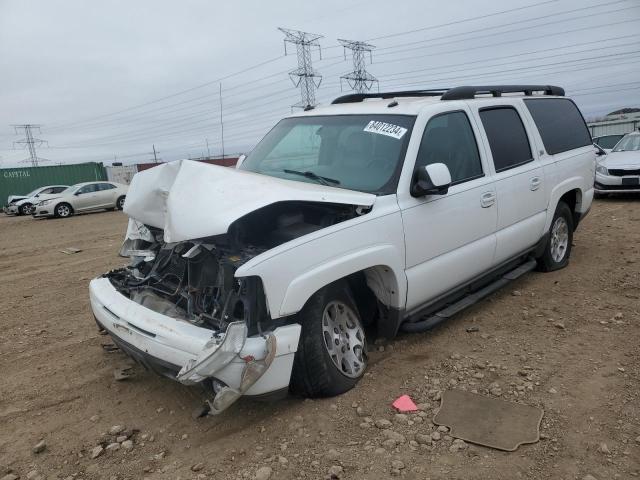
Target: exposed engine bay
(194, 280)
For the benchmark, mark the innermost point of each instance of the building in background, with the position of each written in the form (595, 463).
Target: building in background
(621, 121)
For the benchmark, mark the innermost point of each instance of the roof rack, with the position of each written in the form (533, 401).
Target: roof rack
(359, 97)
(457, 93)
(467, 92)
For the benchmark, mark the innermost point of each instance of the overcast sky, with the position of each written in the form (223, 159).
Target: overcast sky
(113, 78)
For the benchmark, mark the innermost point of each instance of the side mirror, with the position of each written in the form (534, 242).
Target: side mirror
(599, 150)
(36, 195)
(434, 179)
(78, 193)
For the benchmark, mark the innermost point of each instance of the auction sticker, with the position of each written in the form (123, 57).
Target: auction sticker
(388, 129)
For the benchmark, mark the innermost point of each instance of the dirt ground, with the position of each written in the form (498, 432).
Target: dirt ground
(568, 342)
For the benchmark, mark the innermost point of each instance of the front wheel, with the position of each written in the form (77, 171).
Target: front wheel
(25, 209)
(558, 249)
(332, 353)
(63, 210)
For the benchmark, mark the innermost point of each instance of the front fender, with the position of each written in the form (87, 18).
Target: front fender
(294, 271)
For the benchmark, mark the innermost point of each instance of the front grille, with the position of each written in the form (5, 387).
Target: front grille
(618, 172)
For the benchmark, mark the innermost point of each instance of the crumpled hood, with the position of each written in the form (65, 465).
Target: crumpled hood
(189, 199)
(15, 198)
(38, 199)
(621, 160)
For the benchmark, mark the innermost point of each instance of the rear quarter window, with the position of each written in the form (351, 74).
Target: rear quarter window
(560, 124)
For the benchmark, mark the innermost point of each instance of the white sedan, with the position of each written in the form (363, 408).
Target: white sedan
(619, 171)
(83, 197)
(19, 205)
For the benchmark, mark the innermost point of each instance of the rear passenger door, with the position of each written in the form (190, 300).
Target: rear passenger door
(519, 180)
(450, 239)
(106, 195)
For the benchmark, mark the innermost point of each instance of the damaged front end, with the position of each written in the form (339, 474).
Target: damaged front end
(179, 308)
(207, 325)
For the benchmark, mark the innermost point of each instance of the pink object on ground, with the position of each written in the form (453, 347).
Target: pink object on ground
(405, 404)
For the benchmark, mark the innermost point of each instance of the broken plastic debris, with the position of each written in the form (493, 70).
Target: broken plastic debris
(123, 373)
(70, 250)
(405, 404)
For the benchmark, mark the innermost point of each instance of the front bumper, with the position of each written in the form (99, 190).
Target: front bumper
(175, 348)
(10, 210)
(617, 184)
(43, 211)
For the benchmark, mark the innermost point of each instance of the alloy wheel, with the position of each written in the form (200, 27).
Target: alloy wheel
(344, 339)
(559, 239)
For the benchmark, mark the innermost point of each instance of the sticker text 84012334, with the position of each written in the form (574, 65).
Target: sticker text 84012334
(387, 129)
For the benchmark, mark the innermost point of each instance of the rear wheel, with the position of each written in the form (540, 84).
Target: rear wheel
(63, 210)
(558, 249)
(332, 353)
(25, 209)
(120, 203)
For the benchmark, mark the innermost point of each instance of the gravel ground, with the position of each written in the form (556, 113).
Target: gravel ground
(567, 342)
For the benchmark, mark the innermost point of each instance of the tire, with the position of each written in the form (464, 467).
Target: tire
(315, 371)
(63, 210)
(558, 249)
(120, 203)
(25, 209)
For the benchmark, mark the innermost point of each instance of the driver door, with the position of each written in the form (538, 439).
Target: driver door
(86, 197)
(450, 239)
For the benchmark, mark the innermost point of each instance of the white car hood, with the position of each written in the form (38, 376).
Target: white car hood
(189, 199)
(621, 160)
(37, 199)
(14, 197)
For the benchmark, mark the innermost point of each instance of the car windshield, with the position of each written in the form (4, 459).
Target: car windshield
(630, 143)
(356, 152)
(608, 141)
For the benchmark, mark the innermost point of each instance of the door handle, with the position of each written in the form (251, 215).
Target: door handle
(534, 183)
(487, 199)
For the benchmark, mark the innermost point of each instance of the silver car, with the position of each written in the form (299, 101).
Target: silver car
(619, 171)
(83, 197)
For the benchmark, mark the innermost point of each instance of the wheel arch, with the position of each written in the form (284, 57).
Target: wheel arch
(570, 192)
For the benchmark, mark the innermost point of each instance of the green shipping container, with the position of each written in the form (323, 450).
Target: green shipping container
(20, 181)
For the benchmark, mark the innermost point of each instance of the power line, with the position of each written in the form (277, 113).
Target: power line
(30, 142)
(307, 78)
(359, 79)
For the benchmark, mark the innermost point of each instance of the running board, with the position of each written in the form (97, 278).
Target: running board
(465, 302)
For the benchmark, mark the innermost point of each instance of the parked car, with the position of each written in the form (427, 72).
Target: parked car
(83, 197)
(619, 171)
(24, 204)
(381, 212)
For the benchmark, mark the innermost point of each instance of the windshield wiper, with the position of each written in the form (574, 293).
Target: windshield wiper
(314, 176)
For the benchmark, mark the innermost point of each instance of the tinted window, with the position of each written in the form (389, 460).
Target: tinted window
(507, 137)
(58, 189)
(46, 191)
(560, 124)
(106, 186)
(89, 188)
(448, 138)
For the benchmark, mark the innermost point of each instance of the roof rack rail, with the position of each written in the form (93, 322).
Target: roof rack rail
(359, 97)
(468, 92)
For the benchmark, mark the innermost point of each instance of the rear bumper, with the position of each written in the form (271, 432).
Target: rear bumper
(180, 350)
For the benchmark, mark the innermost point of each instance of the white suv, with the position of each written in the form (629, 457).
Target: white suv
(378, 213)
